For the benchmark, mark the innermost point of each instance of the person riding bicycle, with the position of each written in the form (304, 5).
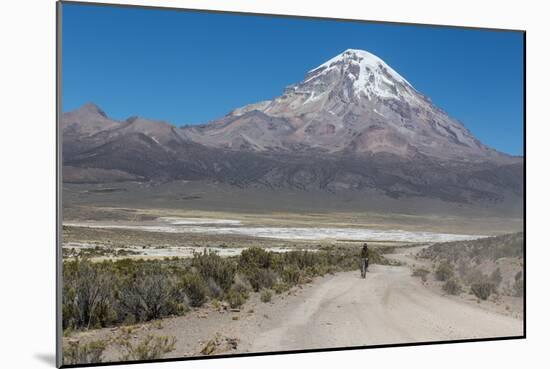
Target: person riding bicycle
(364, 259)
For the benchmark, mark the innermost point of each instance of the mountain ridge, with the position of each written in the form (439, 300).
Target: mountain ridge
(352, 124)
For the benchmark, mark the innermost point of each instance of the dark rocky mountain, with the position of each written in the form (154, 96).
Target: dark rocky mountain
(353, 123)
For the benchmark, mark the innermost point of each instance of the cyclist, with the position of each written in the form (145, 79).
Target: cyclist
(364, 259)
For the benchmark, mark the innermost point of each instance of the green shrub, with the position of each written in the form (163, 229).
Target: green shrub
(257, 265)
(76, 353)
(444, 272)
(182, 308)
(195, 289)
(318, 270)
(255, 257)
(291, 275)
(268, 278)
(87, 295)
(148, 294)
(213, 267)
(241, 285)
(149, 348)
(266, 295)
(261, 278)
(235, 299)
(452, 287)
(280, 288)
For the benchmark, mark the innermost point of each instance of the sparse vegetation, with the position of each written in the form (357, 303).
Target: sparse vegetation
(444, 272)
(518, 284)
(75, 352)
(482, 289)
(147, 294)
(490, 248)
(88, 297)
(485, 266)
(496, 277)
(109, 293)
(235, 299)
(213, 267)
(96, 251)
(280, 288)
(195, 288)
(219, 343)
(291, 275)
(452, 287)
(266, 295)
(148, 348)
(422, 273)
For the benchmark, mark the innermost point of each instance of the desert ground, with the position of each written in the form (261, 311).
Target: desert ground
(389, 306)
(337, 309)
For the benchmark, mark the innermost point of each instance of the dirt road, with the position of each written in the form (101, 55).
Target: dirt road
(389, 306)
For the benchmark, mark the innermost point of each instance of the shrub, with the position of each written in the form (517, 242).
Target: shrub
(241, 285)
(474, 276)
(318, 270)
(213, 288)
(259, 278)
(262, 278)
(463, 269)
(280, 288)
(496, 277)
(235, 299)
(87, 295)
(149, 294)
(182, 308)
(452, 287)
(444, 272)
(149, 348)
(518, 284)
(482, 289)
(256, 264)
(195, 289)
(291, 275)
(376, 258)
(266, 295)
(213, 267)
(255, 257)
(76, 353)
(302, 259)
(422, 273)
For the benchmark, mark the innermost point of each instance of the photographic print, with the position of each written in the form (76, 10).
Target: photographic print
(237, 184)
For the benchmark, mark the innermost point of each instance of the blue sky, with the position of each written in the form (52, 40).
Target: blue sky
(192, 67)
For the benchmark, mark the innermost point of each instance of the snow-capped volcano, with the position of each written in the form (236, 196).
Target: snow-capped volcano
(352, 126)
(352, 103)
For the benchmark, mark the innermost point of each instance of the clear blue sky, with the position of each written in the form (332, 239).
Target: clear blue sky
(192, 67)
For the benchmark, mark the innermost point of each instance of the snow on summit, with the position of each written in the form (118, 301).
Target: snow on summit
(365, 58)
(370, 74)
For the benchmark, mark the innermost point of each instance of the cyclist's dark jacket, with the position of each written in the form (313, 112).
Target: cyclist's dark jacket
(364, 252)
